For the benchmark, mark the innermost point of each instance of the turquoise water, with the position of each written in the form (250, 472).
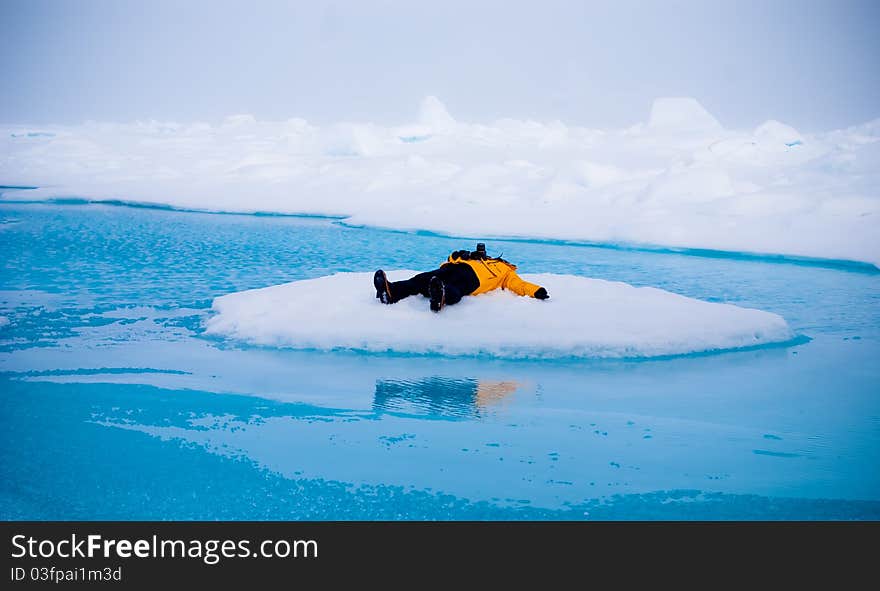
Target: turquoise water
(116, 406)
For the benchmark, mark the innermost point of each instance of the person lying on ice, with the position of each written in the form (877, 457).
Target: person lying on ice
(463, 273)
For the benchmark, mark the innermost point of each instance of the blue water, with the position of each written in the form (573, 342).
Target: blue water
(116, 406)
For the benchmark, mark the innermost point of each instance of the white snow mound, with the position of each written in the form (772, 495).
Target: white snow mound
(583, 318)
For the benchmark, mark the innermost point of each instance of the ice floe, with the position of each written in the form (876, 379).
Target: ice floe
(585, 318)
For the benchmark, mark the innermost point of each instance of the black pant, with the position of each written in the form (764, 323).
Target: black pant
(458, 279)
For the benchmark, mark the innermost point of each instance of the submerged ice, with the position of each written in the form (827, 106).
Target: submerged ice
(586, 318)
(680, 179)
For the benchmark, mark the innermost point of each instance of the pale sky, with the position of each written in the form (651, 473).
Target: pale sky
(814, 64)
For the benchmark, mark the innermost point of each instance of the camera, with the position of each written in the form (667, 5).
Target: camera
(481, 250)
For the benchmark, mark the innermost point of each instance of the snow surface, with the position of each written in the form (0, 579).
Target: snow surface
(583, 318)
(680, 179)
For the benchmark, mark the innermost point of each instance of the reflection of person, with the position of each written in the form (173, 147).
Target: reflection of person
(463, 273)
(489, 393)
(441, 397)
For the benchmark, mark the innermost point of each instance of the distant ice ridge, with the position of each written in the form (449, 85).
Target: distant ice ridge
(679, 180)
(586, 318)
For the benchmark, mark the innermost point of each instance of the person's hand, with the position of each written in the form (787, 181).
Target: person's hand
(542, 294)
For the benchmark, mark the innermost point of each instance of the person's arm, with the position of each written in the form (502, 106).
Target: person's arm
(454, 257)
(520, 286)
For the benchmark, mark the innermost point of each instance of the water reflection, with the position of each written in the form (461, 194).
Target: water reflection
(440, 397)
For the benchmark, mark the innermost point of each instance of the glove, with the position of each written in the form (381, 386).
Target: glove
(542, 294)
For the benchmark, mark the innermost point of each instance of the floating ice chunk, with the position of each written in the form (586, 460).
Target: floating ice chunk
(3, 321)
(681, 115)
(584, 318)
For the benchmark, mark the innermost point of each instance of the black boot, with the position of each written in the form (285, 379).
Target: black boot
(383, 290)
(437, 291)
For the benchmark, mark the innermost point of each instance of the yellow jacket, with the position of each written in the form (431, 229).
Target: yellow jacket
(495, 273)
